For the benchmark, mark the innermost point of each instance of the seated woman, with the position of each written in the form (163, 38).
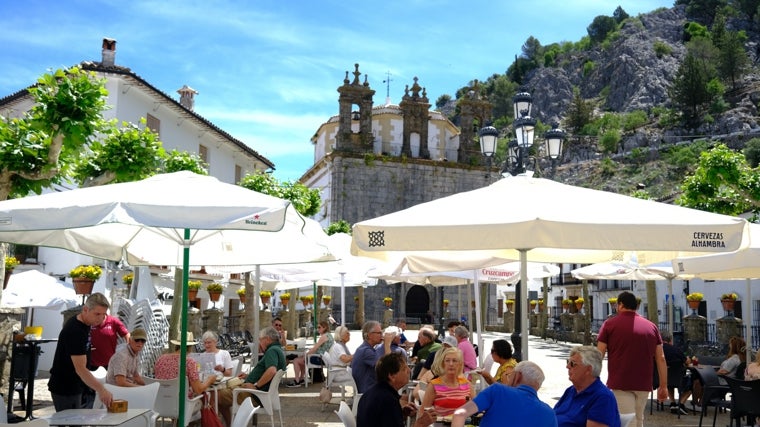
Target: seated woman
(501, 352)
(167, 368)
(323, 344)
(451, 389)
(222, 358)
(736, 356)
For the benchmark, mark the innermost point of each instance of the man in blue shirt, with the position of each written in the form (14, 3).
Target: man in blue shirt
(365, 357)
(514, 405)
(588, 399)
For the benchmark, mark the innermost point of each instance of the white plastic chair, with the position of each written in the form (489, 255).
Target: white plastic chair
(346, 415)
(143, 397)
(309, 365)
(244, 414)
(625, 419)
(270, 400)
(338, 376)
(166, 400)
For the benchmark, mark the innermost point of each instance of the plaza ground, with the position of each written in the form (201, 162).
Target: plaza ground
(301, 407)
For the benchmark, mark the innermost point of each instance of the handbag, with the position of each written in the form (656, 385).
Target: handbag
(325, 395)
(208, 415)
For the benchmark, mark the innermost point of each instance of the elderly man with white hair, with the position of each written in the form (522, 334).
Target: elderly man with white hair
(396, 347)
(516, 404)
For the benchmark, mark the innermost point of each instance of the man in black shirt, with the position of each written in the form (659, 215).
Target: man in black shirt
(380, 406)
(675, 359)
(69, 373)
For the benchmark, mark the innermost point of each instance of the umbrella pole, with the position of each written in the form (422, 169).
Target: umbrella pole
(314, 308)
(749, 322)
(183, 329)
(523, 298)
(478, 320)
(670, 306)
(256, 326)
(343, 299)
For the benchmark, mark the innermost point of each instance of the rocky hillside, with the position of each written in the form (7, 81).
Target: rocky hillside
(625, 76)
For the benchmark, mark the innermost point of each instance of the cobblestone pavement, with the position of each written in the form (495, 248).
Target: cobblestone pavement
(301, 407)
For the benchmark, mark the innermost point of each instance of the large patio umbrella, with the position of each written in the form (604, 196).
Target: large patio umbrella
(157, 220)
(536, 219)
(742, 264)
(630, 270)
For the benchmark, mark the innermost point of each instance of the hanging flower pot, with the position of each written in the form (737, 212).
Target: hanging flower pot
(693, 304)
(242, 298)
(326, 299)
(510, 304)
(579, 304)
(285, 300)
(83, 285)
(728, 304)
(445, 304)
(214, 291)
(387, 301)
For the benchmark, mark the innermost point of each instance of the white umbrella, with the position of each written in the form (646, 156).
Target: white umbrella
(742, 264)
(630, 271)
(35, 289)
(523, 217)
(157, 221)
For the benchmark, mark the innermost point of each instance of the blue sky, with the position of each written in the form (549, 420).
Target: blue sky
(267, 71)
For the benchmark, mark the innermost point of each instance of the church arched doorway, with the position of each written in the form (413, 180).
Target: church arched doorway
(417, 304)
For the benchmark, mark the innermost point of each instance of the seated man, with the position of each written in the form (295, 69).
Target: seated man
(426, 339)
(380, 405)
(676, 359)
(261, 375)
(514, 405)
(396, 342)
(124, 366)
(588, 402)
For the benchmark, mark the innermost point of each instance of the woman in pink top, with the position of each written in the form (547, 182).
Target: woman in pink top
(167, 368)
(450, 390)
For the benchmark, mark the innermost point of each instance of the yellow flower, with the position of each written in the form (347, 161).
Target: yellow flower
(215, 287)
(612, 300)
(11, 262)
(579, 299)
(86, 271)
(194, 284)
(731, 296)
(285, 295)
(695, 296)
(128, 278)
(387, 299)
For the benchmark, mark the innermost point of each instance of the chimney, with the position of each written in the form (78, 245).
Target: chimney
(186, 97)
(109, 52)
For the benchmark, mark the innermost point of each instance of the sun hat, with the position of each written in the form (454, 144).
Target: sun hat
(190, 340)
(139, 334)
(450, 341)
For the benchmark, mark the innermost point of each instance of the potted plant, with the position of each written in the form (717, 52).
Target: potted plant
(241, 294)
(265, 296)
(533, 304)
(214, 291)
(566, 303)
(326, 299)
(192, 289)
(728, 300)
(285, 299)
(510, 303)
(387, 301)
(127, 279)
(445, 304)
(10, 263)
(84, 277)
(579, 303)
(613, 304)
(694, 299)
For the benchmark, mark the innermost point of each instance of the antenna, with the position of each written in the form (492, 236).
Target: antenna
(387, 82)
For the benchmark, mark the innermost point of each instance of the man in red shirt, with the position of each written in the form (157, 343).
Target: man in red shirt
(634, 346)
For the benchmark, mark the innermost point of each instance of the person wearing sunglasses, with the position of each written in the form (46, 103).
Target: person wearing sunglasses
(587, 402)
(124, 366)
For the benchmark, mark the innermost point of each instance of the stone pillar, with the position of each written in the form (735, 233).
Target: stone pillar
(265, 319)
(578, 322)
(509, 321)
(324, 315)
(287, 317)
(215, 320)
(387, 318)
(695, 328)
(728, 327)
(194, 322)
(566, 321)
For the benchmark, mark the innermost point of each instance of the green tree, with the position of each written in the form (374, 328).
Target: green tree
(689, 88)
(40, 148)
(620, 15)
(600, 27)
(340, 226)
(723, 182)
(752, 152)
(609, 141)
(532, 51)
(307, 201)
(442, 101)
(184, 161)
(579, 113)
(747, 7)
(733, 58)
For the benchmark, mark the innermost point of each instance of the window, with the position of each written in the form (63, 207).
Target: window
(238, 173)
(154, 124)
(203, 152)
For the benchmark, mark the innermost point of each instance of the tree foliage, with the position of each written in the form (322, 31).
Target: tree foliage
(620, 15)
(733, 58)
(185, 161)
(340, 226)
(579, 113)
(40, 148)
(306, 201)
(723, 182)
(600, 27)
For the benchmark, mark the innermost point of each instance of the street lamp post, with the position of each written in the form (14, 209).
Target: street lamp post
(515, 164)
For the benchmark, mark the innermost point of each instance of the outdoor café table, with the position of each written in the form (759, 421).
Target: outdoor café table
(220, 384)
(97, 417)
